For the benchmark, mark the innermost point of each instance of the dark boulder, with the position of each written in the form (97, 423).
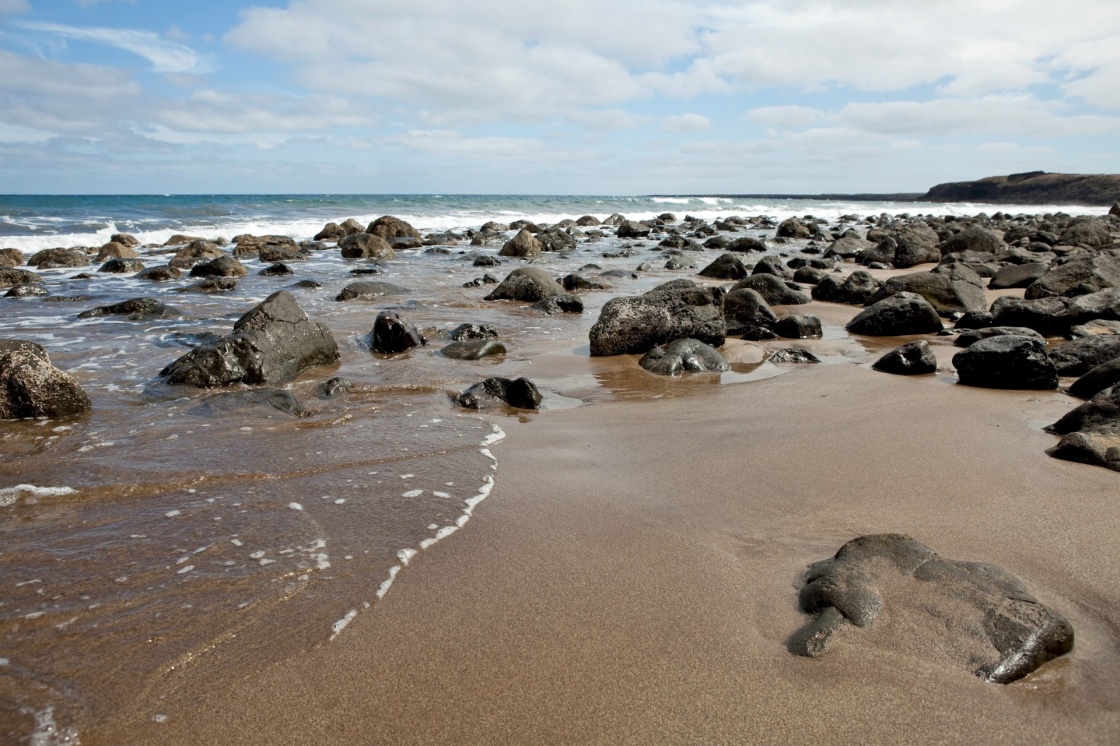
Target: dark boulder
(331, 232)
(675, 310)
(473, 331)
(848, 247)
(793, 228)
(774, 289)
(1017, 275)
(911, 359)
(1006, 362)
(555, 239)
(527, 284)
(798, 326)
(271, 344)
(747, 312)
(973, 238)
(809, 275)
(900, 314)
(1079, 276)
(365, 246)
(725, 267)
(950, 289)
(486, 260)
(122, 266)
(745, 244)
(58, 259)
(1092, 431)
(194, 252)
(772, 265)
(392, 333)
(473, 349)
(683, 356)
(222, 266)
(1098, 379)
(29, 290)
(916, 244)
(575, 283)
(1077, 357)
(366, 290)
(524, 245)
(228, 402)
(970, 337)
(1088, 232)
(134, 309)
(566, 303)
(1101, 411)
(854, 290)
(494, 392)
(1055, 316)
(795, 355)
(211, 285)
(279, 269)
(31, 387)
(970, 615)
(114, 250)
(389, 227)
(632, 229)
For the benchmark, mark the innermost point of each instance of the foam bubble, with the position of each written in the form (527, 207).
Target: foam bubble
(412, 493)
(9, 495)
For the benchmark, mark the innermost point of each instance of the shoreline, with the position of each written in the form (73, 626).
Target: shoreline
(645, 592)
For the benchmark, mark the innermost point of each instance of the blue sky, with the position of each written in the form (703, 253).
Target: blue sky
(571, 97)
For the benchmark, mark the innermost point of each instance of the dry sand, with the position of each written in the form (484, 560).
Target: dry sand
(633, 579)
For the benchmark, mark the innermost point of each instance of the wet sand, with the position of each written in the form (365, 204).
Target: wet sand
(633, 578)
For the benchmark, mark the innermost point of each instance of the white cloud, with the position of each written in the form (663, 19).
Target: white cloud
(14, 6)
(448, 143)
(165, 56)
(683, 124)
(785, 117)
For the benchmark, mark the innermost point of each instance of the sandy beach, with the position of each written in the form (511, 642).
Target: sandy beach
(633, 578)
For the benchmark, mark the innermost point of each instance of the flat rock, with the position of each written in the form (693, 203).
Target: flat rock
(1079, 276)
(774, 289)
(1017, 275)
(683, 356)
(950, 289)
(473, 349)
(369, 289)
(1098, 379)
(972, 336)
(794, 355)
(1078, 356)
(134, 309)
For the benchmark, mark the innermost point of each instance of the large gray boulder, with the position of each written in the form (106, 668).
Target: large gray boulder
(31, 387)
(848, 247)
(973, 238)
(973, 616)
(389, 227)
(1056, 316)
(950, 289)
(527, 284)
(683, 356)
(365, 246)
(854, 290)
(900, 314)
(271, 344)
(1079, 276)
(1078, 356)
(1088, 232)
(1006, 362)
(222, 266)
(725, 267)
(675, 310)
(774, 289)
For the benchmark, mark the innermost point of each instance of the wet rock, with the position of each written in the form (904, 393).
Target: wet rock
(1098, 447)
(976, 617)
(675, 310)
(911, 359)
(271, 344)
(774, 289)
(392, 333)
(1077, 357)
(1006, 362)
(30, 290)
(276, 270)
(1101, 412)
(809, 275)
(194, 252)
(848, 247)
(366, 290)
(898, 315)
(178, 239)
(389, 227)
(1095, 327)
(915, 244)
(746, 312)
(473, 349)
(854, 290)
(331, 232)
(1017, 275)
(575, 283)
(334, 386)
(772, 265)
(793, 228)
(486, 279)
(31, 387)
(974, 320)
(222, 266)
(10, 258)
(115, 250)
(566, 303)
(134, 309)
(973, 238)
(122, 266)
(1098, 379)
(1055, 316)
(746, 244)
(972, 336)
(950, 289)
(58, 258)
(795, 355)
(211, 285)
(632, 229)
(485, 260)
(23, 345)
(527, 284)
(1079, 276)
(307, 284)
(365, 246)
(473, 331)
(725, 267)
(798, 326)
(524, 245)
(555, 240)
(683, 356)
(230, 401)
(494, 392)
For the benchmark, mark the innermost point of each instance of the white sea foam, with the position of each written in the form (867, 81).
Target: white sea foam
(9, 495)
(47, 732)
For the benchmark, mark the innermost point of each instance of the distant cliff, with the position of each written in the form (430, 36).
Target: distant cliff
(1033, 188)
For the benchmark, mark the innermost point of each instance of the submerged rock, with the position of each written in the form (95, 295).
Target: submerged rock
(134, 309)
(494, 392)
(973, 616)
(392, 333)
(473, 349)
(473, 331)
(365, 290)
(683, 356)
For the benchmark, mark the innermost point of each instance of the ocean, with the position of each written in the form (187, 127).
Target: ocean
(175, 527)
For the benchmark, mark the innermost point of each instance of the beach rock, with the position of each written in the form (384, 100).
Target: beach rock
(575, 283)
(1092, 431)
(134, 309)
(675, 310)
(276, 270)
(725, 267)
(950, 289)
(273, 254)
(1094, 328)
(222, 266)
(486, 260)
(973, 616)
(122, 266)
(588, 221)
(114, 250)
(565, 303)
(178, 239)
(494, 392)
(526, 284)
(972, 336)
(809, 275)
(848, 247)
(793, 228)
(28, 290)
(973, 238)
(1017, 275)
(900, 314)
(1006, 362)
(473, 349)
(10, 258)
(746, 244)
(392, 333)
(683, 356)
(228, 402)
(747, 313)
(388, 227)
(331, 232)
(854, 290)
(473, 331)
(795, 355)
(1078, 356)
(194, 252)
(916, 244)
(1102, 411)
(911, 359)
(774, 289)
(555, 239)
(271, 344)
(1087, 232)
(798, 326)
(125, 239)
(58, 259)
(524, 245)
(333, 387)
(247, 244)
(632, 229)
(366, 290)
(365, 246)
(1098, 379)
(772, 265)
(31, 387)
(1079, 276)
(1055, 316)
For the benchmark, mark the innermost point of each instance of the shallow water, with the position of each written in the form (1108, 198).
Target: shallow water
(174, 527)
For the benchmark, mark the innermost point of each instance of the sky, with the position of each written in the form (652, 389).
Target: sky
(610, 97)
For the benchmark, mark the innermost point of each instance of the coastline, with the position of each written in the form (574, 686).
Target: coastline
(633, 577)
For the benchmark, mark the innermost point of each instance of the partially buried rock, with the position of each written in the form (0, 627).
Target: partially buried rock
(566, 303)
(774, 289)
(31, 387)
(279, 269)
(392, 333)
(900, 314)
(527, 284)
(473, 331)
(473, 349)
(211, 285)
(134, 309)
(684, 356)
(950, 289)
(494, 392)
(725, 267)
(1091, 431)
(795, 355)
(1006, 362)
(271, 344)
(1079, 276)
(334, 386)
(970, 615)
(747, 312)
(675, 310)
(798, 326)
(854, 290)
(162, 273)
(1097, 379)
(1017, 275)
(1077, 357)
(122, 266)
(222, 266)
(911, 359)
(972, 336)
(230, 401)
(30, 290)
(367, 290)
